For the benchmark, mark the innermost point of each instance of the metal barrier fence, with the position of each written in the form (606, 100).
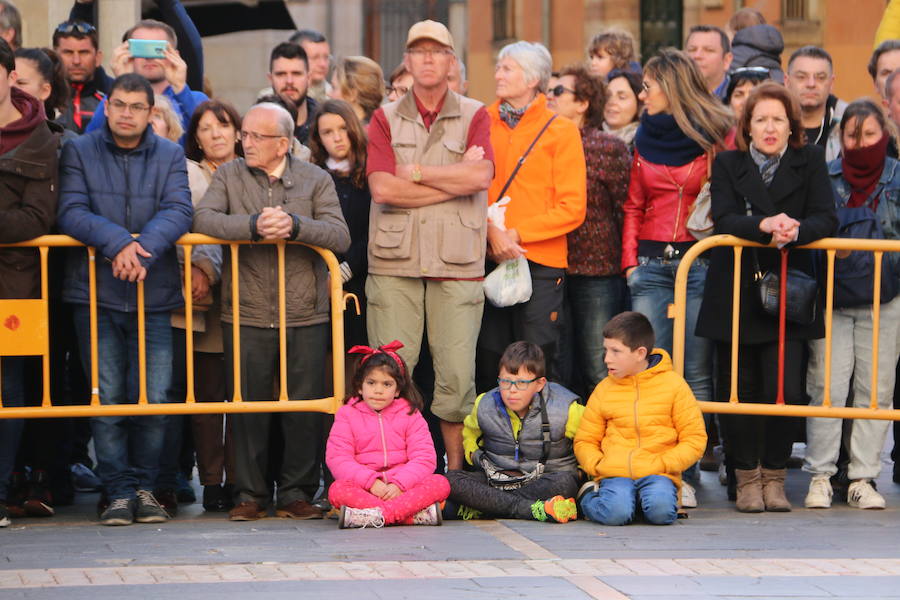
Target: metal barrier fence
(779, 408)
(25, 331)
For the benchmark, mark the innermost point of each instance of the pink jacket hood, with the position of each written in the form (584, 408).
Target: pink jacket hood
(364, 445)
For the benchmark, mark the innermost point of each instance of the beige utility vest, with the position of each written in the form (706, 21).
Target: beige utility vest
(447, 239)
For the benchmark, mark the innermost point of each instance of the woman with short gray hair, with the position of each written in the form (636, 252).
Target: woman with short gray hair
(548, 200)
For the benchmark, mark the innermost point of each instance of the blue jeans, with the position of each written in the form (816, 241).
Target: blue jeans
(594, 301)
(128, 447)
(652, 286)
(13, 394)
(614, 503)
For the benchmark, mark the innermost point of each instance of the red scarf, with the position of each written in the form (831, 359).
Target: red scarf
(862, 169)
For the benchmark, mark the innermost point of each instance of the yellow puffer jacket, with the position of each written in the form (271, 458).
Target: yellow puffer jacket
(646, 424)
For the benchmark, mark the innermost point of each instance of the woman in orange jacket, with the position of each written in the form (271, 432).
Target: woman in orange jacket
(548, 200)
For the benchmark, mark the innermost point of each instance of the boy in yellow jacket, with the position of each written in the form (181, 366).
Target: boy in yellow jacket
(641, 428)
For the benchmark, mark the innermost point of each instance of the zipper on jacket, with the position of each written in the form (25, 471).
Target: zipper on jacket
(274, 270)
(383, 446)
(637, 428)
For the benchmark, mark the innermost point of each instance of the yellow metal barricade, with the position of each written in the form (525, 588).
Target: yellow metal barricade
(677, 311)
(24, 331)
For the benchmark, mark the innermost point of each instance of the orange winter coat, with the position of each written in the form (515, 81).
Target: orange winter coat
(549, 193)
(646, 424)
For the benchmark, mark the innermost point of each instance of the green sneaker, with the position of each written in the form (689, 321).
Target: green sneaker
(561, 510)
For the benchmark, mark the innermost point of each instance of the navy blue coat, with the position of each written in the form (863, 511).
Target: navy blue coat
(106, 194)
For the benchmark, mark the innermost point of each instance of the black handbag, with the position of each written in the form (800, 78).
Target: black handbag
(801, 296)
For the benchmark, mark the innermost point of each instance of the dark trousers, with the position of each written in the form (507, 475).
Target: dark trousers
(536, 321)
(755, 440)
(307, 349)
(471, 488)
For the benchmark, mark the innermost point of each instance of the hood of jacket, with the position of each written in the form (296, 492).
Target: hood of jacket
(15, 133)
(764, 38)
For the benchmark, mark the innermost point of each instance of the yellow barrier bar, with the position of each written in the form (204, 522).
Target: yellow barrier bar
(876, 320)
(324, 405)
(282, 325)
(236, 395)
(92, 303)
(45, 296)
(189, 324)
(142, 345)
(829, 317)
(735, 322)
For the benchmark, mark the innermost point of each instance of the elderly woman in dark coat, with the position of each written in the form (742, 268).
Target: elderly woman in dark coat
(774, 189)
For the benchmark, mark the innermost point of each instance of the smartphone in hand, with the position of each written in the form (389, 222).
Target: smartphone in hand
(147, 48)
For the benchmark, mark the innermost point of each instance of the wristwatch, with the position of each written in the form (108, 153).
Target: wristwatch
(416, 174)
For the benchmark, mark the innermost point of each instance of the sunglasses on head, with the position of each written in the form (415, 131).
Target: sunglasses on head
(76, 27)
(559, 91)
(757, 70)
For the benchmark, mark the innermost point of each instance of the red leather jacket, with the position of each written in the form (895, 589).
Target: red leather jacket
(659, 202)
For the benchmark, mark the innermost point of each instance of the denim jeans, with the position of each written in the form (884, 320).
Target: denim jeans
(615, 502)
(128, 447)
(652, 286)
(594, 301)
(13, 394)
(851, 360)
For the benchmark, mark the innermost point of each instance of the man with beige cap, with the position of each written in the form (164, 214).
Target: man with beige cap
(430, 163)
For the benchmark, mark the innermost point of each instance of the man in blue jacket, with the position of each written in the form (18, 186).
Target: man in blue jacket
(115, 182)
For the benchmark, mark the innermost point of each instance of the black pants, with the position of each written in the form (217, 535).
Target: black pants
(755, 440)
(307, 349)
(536, 321)
(471, 488)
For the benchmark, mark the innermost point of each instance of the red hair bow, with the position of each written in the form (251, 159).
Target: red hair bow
(390, 349)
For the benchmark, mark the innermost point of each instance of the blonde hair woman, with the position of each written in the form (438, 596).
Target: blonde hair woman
(360, 81)
(681, 126)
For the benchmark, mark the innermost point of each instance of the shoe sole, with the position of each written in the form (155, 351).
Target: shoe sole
(816, 506)
(5, 522)
(289, 515)
(856, 505)
(36, 508)
(260, 515)
(115, 522)
(151, 519)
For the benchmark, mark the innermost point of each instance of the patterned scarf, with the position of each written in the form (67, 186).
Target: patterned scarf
(511, 116)
(767, 164)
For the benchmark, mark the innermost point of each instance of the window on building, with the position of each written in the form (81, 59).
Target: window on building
(504, 19)
(795, 10)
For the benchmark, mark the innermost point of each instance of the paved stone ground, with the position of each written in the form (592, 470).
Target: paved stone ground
(715, 554)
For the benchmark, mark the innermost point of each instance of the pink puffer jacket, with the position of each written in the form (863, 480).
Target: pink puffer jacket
(364, 445)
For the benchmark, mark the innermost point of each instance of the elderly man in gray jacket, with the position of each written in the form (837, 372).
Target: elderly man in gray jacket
(271, 195)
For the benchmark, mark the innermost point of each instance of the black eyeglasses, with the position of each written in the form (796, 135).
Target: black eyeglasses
(559, 91)
(519, 384)
(76, 27)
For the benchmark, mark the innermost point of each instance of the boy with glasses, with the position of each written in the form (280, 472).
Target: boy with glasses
(519, 439)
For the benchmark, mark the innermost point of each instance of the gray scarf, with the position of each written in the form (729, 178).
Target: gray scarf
(767, 164)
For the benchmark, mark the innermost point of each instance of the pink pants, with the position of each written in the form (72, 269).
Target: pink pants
(434, 488)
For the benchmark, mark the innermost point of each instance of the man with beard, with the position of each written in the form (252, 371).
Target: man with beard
(167, 76)
(289, 76)
(318, 53)
(77, 45)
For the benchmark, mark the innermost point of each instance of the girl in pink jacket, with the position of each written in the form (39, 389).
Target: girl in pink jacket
(380, 450)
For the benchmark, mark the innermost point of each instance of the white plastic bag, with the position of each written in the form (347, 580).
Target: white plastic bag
(510, 282)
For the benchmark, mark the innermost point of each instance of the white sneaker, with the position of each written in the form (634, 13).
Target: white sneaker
(430, 515)
(688, 495)
(360, 518)
(861, 494)
(723, 474)
(820, 492)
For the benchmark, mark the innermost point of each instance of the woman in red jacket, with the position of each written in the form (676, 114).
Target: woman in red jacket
(680, 128)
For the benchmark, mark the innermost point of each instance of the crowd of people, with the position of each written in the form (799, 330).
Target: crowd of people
(458, 406)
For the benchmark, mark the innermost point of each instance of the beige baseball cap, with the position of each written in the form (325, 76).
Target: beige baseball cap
(430, 30)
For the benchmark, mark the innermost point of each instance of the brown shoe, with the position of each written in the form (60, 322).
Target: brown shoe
(247, 511)
(299, 509)
(773, 490)
(749, 491)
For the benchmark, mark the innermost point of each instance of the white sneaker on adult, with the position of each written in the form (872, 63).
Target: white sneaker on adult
(861, 494)
(688, 495)
(820, 492)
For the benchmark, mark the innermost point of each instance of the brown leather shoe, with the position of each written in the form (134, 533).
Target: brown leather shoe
(773, 490)
(247, 511)
(299, 509)
(749, 491)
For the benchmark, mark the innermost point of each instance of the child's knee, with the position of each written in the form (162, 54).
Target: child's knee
(660, 510)
(602, 511)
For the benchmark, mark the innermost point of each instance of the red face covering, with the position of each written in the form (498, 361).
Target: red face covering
(862, 168)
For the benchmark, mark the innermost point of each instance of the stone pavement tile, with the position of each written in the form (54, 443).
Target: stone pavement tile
(295, 571)
(138, 576)
(265, 572)
(69, 577)
(534, 587)
(34, 577)
(600, 567)
(862, 587)
(662, 587)
(104, 577)
(168, 574)
(772, 587)
(233, 573)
